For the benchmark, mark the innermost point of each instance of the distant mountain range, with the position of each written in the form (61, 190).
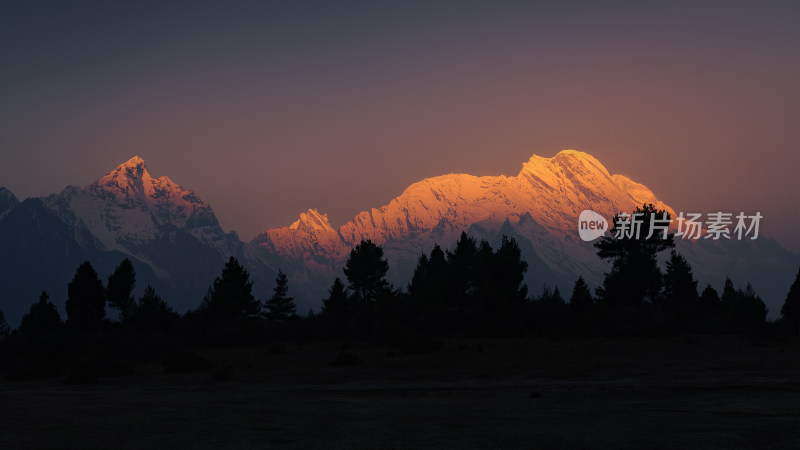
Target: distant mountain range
(178, 246)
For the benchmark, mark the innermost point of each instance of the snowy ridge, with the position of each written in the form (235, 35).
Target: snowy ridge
(127, 209)
(550, 191)
(539, 206)
(130, 184)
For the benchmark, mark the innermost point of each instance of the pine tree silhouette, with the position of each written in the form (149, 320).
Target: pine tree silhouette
(231, 294)
(710, 309)
(680, 302)
(635, 274)
(728, 293)
(280, 306)
(340, 310)
(365, 270)
(507, 269)
(462, 271)
(152, 313)
(550, 312)
(557, 298)
(790, 311)
(429, 294)
(86, 301)
(120, 287)
(743, 310)
(41, 318)
(581, 301)
(339, 301)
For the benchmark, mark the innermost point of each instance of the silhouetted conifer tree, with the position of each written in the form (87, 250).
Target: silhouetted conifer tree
(550, 312)
(752, 310)
(743, 310)
(581, 301)
(634, 275)
(551, 297)
(557, 296)
(463, 271)
(86, 301)
(152, 313)
(120, 288)
(710, 307)
(365, 270)
(709, 298)
(581, 308)
(41, 318)
(507, 269)
(429, 291)
(484, 280)
(280, 306)
(343, 313)
(728, 292)
(728, 303)
(679, 283)
(338, 301)
(790, 311)
(429, 281)
(421, 277)
(680, 301)
(231, 294)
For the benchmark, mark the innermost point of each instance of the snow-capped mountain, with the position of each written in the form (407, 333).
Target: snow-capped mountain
(174, 239)
(539, 207)
(127, 209)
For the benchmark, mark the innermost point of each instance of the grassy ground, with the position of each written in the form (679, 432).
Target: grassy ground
(687, 392)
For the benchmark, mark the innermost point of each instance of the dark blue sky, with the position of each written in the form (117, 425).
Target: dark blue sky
(267, 108)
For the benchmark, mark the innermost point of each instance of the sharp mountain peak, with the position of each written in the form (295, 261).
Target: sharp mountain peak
(133, 162)
(132, 179)
(312, 220)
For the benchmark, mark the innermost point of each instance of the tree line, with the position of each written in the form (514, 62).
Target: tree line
(471, 290)
(475, 290)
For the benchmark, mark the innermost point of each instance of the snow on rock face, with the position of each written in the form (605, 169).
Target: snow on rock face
(128, 207)
(539, 206)
(552, 191)
(312, 221)
(310, 236)
(131, 184)
(561, 187)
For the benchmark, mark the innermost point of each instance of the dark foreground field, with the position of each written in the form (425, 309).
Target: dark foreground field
(687, 392)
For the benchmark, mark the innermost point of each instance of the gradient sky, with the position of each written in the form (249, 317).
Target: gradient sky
(266, 109)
